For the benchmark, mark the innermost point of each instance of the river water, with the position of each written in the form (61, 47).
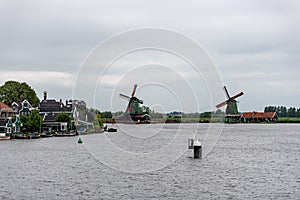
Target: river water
(249, 161)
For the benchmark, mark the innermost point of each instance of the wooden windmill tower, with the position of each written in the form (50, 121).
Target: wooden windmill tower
(137, 113)
(231, 113)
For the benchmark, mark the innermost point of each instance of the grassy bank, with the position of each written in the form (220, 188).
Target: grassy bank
(288, 120)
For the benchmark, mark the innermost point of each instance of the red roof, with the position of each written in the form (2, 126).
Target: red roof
(4, 106)
(259, 115)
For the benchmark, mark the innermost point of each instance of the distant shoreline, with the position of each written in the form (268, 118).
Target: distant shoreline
(214, 120)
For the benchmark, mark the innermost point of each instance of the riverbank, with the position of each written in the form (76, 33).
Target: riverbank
(219, 120)
(288, 120)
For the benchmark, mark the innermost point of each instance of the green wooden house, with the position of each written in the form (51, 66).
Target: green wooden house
(17, 125)
(9, 127)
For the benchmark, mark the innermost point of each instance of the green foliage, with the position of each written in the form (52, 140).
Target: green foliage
(34, 121)
(100, 117)
(106, 115)
(205, 115)
(64, 117)
(100, 120)
(13, 91)
(173, 120)
(283, 111)
(211, 120)
(24, 121)
(288, 120)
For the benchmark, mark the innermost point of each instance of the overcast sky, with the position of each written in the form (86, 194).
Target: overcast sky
(254, 44)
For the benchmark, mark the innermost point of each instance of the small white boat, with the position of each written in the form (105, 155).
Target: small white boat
(3, 136)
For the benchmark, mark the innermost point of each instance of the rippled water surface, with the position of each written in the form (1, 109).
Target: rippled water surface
(260, 161)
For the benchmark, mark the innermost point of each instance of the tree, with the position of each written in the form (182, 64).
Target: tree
(298, 112)
(34, 121)
(24, 120)
(283, 111)
(64, 117)
(13, 91)
(100, 120)
(106, 114)
(205, 115)
(292, 112)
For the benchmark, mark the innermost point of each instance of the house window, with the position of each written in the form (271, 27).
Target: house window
(63, 126)
(17, 129)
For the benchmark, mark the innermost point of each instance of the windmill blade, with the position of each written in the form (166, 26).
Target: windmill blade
(226, 91)
(238, 95)
(221, 104)
(123, 96)
(128, 108)
(134, 89)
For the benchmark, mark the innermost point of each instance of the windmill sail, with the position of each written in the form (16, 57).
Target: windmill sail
(232, 114)
(123, 96)
(226, 91)
(134, 89)
(237, 95)
(221, 104)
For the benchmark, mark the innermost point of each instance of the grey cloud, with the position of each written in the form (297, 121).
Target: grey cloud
(254, 43)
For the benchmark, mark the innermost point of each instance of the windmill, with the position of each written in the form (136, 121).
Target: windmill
(231, 113)
(138, 114)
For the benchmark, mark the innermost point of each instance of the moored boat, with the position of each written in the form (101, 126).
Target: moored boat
(3, 136)
(82, 131)
(105, 128)
(35, 136)
(46, 134)
(64, 134)
(111, 130)
(21, 136)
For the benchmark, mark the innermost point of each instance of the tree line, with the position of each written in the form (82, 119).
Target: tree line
(283, 111)
(14, 91)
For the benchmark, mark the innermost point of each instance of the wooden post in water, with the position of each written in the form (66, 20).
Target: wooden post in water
(197, 146)
(197, 149)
